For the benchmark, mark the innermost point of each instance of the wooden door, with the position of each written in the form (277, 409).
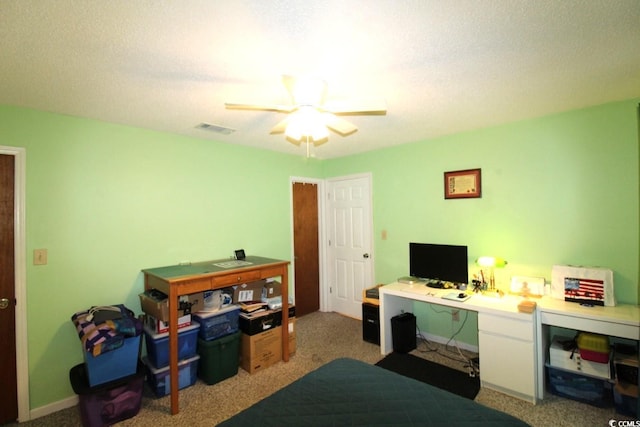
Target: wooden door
(8, 379)
(305, 248)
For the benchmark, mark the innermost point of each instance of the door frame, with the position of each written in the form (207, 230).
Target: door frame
(22, 355)
(324, 294)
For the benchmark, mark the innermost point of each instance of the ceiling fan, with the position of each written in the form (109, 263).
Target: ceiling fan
(311, 113)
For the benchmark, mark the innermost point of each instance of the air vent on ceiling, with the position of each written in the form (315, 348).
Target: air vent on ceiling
(215, 128)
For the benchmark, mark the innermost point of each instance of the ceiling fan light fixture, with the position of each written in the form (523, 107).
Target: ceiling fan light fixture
(307, 123)
(309, 91)
(311, 117)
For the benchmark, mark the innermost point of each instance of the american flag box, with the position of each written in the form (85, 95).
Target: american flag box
(584, 285)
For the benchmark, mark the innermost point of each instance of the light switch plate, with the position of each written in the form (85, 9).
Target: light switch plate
(39, 257)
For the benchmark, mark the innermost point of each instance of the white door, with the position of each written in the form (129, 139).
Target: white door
(349, 246)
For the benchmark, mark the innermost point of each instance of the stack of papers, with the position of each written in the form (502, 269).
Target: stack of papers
(253, 306)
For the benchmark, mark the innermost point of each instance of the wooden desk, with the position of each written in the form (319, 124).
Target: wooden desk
(177, 280)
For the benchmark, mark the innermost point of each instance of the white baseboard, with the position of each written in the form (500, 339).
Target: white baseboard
(444, 340)
(53, 407)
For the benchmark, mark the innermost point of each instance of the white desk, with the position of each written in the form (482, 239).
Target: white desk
(621, 321)
(506, 337)
(512, 345)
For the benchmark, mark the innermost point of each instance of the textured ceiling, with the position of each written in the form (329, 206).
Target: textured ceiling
(441, 66)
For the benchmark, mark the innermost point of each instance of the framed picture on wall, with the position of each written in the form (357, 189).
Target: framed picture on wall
(462, 184)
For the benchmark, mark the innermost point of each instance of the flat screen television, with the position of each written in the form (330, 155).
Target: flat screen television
(447, 263)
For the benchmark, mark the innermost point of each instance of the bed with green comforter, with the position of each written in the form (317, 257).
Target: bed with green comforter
(348, 392)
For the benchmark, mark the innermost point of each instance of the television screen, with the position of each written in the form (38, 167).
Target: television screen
(447, 263)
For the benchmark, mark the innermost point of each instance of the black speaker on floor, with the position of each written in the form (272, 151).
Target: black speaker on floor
(371, 323)
(403, 331)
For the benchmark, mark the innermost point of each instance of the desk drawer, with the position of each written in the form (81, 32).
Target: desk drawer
(272, 272)
(506, 326)
(234, 279)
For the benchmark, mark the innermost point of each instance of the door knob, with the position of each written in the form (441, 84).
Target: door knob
(4, 303)
(365, 256)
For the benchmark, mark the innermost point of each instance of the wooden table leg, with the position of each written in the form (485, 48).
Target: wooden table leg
(173, 350)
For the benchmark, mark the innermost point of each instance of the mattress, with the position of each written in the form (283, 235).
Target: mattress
(348, 392)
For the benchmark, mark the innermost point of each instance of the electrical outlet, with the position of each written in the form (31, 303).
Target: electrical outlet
(455, 315)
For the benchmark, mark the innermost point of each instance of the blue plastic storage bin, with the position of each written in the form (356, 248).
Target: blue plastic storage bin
(158, 345)
(114, 364)
(219, 323)
(160, 381)
(583, 388)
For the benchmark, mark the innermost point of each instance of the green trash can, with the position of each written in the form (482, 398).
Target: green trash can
(219, 358)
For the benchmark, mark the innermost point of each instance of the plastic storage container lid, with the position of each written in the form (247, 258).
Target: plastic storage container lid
(207, 314)
(80, 381)
(194, 325)
(593, 342)
(157, 371)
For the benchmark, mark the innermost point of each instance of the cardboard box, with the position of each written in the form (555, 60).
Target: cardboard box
(255, 323)
(271, 289)
(626, 367)
(246, 292)
(261, 350)
(370, 295)
(156, 304)
(157, 326)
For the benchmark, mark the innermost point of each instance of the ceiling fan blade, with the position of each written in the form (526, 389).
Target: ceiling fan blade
(280, 127)
(290, 83)
(356, 107)
(256, 107)
(339, 125)
(294, 141)
(320, 142)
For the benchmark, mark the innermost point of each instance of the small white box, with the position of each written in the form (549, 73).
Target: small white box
(570, 360)
(157, 326)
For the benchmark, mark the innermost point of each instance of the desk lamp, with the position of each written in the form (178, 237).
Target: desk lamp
(491, 263)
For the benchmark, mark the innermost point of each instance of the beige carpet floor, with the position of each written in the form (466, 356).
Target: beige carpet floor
(322, 337)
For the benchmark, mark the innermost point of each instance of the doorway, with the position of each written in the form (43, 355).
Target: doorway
(350, 244)
(14, 376)
(8, 377)
(306, 247)
(345, 249)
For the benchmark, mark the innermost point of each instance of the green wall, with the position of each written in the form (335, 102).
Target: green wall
(562, 189)
(108, 200)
